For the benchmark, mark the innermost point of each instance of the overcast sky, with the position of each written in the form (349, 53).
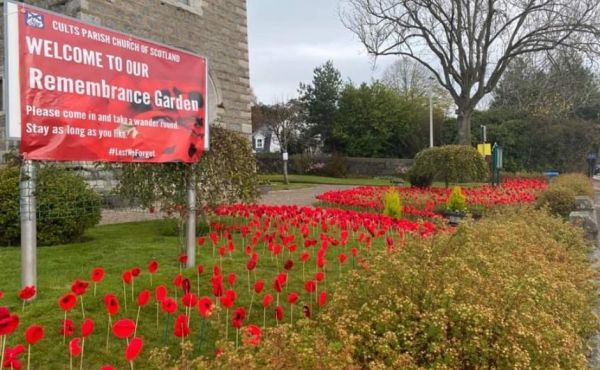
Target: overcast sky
(289, 38)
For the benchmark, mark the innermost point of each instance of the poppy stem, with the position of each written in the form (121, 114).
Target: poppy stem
(3, 345)
(132, 289)
(82, 351)
(237, 334)
(28, 356)
(23, 309)
(95, 289)
(264, 318)
(124, 296)
(151, 279)
(82, 309)
(292, 314)
(248, 271)
(131, 364)
(156, 315)
(64, 328)
(250, 309)
(197, 282)
(137, 318)
(109, 322)
(71, 362)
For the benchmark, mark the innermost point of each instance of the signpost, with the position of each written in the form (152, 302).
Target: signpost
(79, 92)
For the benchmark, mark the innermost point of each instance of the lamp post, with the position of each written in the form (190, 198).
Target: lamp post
(431, 112)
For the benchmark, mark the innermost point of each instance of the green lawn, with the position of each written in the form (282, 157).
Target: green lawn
(308, 179)
(118, 248)
(275, 186)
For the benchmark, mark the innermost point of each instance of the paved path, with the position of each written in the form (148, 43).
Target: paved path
(301, 197)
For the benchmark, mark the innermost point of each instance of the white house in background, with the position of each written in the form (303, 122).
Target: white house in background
(264, 141)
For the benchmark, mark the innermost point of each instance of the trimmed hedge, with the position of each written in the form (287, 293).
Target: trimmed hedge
(66, 206)
(450, 163)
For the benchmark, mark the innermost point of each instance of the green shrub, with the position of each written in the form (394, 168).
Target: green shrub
(580, 184)
(457, 202)
(559, 199)
(336, 166)
(392, 205)
(66, 206)
(513, 291)
(450, 163)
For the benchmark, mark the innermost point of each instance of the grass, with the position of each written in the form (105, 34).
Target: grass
(276, 186)
(309, 179)
(118, 248)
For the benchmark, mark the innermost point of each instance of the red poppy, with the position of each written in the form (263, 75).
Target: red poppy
(322, 298)
(306, 310)
(178, 281)
(279, 313)
(183, 259)
(186, 285)
(134, 348)
(304, 256)
(252, 336)
(214, 238)
(27, 292)
(258, 286)
(160, 293)
(8, 322)
(292, 298)
(67, 302)
(169, 305)
(107, 367)
(231, 278)
(135, 272)
(226, 301)
(189, 300)
(216, 270)
(123, 328)
(354, 251)
(181, 329)
(310, 286)
(320, 276)
(126, 277)
(34, 334)
(1, 294)
(75, 347)
(97, 274)
(112, 304)
(200, 241)
(251, 264)
(152, 266)
(222, 251)
(288, 265)
(143, 298)
(11, 357)
(237, 319)
(79, 287)
(67, 328)
(205, 307)
(267, 299)
(342, 258)
(87, 327)
(200, 269)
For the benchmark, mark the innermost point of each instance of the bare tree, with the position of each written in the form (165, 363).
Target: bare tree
(408, 77)
(468, 44)
(285, 121)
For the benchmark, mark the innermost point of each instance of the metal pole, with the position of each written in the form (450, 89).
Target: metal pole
(430, 114)
(28, 225)
(191, 220)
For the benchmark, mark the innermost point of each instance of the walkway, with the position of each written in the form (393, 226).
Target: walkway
(301, 197)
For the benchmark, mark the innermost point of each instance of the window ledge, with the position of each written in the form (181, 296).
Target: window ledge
(195, 6)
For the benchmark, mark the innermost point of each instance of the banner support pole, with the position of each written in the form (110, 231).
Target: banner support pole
(28, 224)
(191, 219)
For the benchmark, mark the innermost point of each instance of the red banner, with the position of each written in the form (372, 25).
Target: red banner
(90, 94)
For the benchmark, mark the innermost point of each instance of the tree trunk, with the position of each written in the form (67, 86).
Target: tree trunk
(464, 126)
(285, 172)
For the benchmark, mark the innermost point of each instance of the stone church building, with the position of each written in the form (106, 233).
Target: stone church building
(216, 29)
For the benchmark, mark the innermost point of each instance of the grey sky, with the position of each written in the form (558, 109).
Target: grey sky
(289, 38)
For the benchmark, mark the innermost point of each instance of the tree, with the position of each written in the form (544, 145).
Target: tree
(377, 121)
(320, 101)
(408, 77)
(285, 122)
(467, 45)
(558, 85)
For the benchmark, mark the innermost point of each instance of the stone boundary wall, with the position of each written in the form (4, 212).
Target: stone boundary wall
(332, 165)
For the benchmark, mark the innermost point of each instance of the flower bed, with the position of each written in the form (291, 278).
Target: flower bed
(421, 202)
